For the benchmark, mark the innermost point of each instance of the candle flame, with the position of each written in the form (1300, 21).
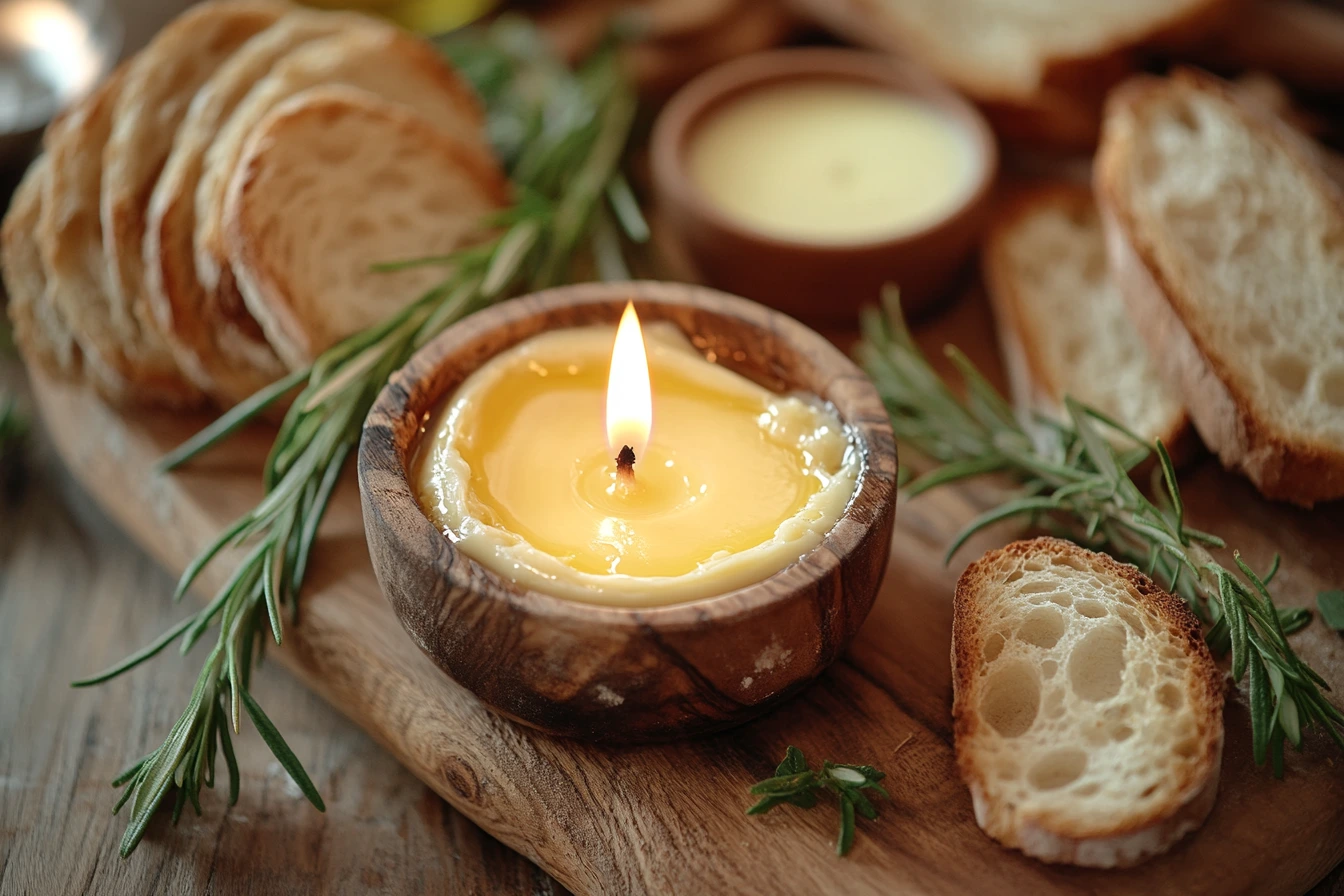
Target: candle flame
(629, 396)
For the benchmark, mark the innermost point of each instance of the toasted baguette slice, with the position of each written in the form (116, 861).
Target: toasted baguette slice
(332, 181)
(40, 332)
(1008, 52)
(220, 344)
(70, 239)
(1087, 709)
(160, 82)
(1061, 322)
(390, 63)
(1226, 238)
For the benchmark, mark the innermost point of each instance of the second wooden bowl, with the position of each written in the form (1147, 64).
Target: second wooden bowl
(618, 674)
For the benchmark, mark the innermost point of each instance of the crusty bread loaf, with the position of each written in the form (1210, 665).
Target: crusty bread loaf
(1227, 240)
(1087, 709)
(1008, 52)
(218, 341)
(391, 64)
(70, 239)
(1061, 322)
(333, 180)
(40, 332)
(160, 82)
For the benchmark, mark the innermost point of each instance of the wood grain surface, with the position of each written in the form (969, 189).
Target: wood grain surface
(669, 819)
(617, 674)
(76, 595)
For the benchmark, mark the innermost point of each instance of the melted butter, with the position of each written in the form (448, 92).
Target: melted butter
(736, 484)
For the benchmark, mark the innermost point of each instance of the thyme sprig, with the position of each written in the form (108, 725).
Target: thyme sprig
(561, 135)
(798, 785)
(1074, 478)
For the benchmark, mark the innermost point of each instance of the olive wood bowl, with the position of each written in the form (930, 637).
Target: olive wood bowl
(823, 283)
(619, 674)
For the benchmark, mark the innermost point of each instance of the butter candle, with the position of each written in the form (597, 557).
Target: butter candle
(731, 482)
(830, 161)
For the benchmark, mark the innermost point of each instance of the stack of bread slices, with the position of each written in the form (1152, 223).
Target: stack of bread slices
(205, 220)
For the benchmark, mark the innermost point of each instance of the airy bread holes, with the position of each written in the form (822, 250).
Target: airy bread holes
(1169, 695)
(1092, 609)
(1058, 768)
(1097, 665)
(1289, 372)
(1011, 699)
(993, 646)
(1042, 627)
(1332, 387)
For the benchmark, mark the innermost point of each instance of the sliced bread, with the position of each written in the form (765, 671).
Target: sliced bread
(70, 239)
(220, 344)
(1062, 325)
(390, 63)
(1009, 52)
(1226, 238)
(333, 180)
(1087, 709)
(39, 331)
(160, 82)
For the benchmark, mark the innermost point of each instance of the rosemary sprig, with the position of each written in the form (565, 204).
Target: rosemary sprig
(562, 135)
(1074, 478)
(798, 785)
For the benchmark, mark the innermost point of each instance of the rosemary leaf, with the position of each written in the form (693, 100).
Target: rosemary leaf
(562, 135)
(1076, 480)
(1331, 605)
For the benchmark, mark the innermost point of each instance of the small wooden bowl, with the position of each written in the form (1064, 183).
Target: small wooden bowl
(822, 283)
(617, 674)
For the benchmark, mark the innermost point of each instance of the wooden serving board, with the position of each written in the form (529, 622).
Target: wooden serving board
(670, 818)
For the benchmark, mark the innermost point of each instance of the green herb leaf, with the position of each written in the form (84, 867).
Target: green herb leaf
(1080, 486)
(1331, 605)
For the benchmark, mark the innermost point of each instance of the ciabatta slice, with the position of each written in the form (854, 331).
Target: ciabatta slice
(1087, 709)
(332, 181)
(218, 341)
(1061, 322)
(1226, 237)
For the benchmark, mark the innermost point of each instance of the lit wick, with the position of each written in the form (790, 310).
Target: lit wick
(625, 466)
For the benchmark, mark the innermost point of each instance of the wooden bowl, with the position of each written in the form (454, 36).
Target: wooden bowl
(821, 283)
(617, 674)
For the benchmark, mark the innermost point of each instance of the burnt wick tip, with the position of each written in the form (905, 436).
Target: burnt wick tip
(626, 459)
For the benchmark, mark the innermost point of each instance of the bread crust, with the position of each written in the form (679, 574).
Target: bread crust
(1031, 382)
(1114, 842)
(217, 342)
(347, 51)
(262, 277)
(1282, 465)
(40, 332)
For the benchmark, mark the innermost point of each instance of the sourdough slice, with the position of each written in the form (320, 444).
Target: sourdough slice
(1086, 707)
(1226, 237)
(332, 181)
(1061, 322)
(390, 63)
(220, 345)
(40, 332)
(160, 83)
(70, 239)
(1008, 52)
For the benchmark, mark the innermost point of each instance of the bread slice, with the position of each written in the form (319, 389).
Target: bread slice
(1226, 237)
(1062, 325)
(40, 332)
(1086, 707)
(218, 344)
(70, 240)
(332, 181)
(1009, 52)
(390, 63)
(160, 83)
